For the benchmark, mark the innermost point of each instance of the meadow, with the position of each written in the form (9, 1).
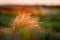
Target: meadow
(29, 25)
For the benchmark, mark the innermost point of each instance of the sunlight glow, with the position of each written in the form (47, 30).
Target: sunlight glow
(30, 2)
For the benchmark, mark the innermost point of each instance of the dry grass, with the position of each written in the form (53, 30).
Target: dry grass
(21, 25)
(24, 21)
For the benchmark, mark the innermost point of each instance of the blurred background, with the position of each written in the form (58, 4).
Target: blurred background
(49, 22)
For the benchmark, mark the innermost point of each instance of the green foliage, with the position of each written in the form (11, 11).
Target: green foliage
(51, 21)
(55, 20)
(25, 34)
(5, 18)
(45, 35)
(4, 21)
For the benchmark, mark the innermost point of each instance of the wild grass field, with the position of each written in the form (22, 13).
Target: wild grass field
(29, 23)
